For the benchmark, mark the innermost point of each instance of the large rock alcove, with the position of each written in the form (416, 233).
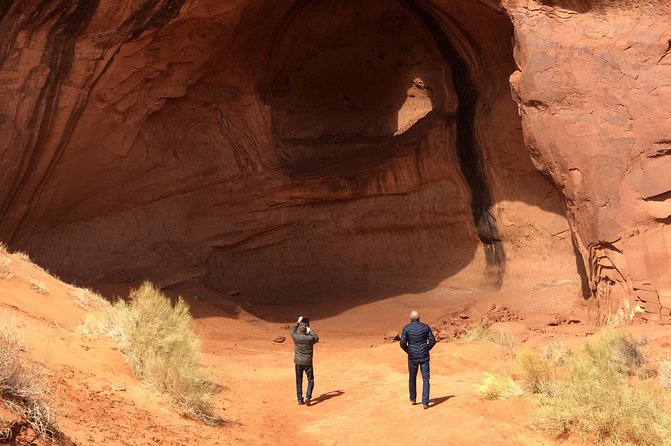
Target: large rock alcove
(306, 150)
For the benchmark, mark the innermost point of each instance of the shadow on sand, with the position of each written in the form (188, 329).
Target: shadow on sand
(326, 396)
(441, 400)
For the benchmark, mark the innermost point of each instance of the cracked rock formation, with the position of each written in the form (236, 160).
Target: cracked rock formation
(297, 150)
(594, 94)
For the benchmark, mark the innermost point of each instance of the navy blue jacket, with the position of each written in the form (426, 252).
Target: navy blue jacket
(417, 339)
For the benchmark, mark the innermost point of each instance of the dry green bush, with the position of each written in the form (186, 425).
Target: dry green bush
(595, 400)
(22, 387)
(497, 387)
(539, 374)
(160, 346)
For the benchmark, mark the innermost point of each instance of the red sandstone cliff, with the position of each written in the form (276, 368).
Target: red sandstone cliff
(306, 149)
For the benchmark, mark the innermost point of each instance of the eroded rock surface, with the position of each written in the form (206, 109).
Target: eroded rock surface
(594, 93)
(325, 149)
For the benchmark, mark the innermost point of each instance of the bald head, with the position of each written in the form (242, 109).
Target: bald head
(414, 316)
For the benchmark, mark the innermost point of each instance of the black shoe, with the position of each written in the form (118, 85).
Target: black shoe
(413, 402)
(300, 403)
(307, 403)
(426, 406)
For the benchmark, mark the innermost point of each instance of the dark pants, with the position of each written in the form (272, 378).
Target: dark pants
(413, 364)
(300, 368)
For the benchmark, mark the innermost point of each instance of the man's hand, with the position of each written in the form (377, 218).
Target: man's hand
(307, 329)
(300, 319)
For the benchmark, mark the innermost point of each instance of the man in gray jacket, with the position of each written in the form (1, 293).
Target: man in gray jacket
(304, 340)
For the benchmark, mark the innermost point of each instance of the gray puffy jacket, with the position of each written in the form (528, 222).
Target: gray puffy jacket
(303, 344)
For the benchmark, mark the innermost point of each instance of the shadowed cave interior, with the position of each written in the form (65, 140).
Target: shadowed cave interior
(309, 151)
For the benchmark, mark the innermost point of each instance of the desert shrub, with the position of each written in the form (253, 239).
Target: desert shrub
(555, 353)
(85, 298)
(664, 374)
(594, 399)
(538, 372)
(22, 387)
(6, 268)
(38, 286)
(481, 330)
(646, 373)
(618, 348)
(160, 346)
(502, 337)
(478, 331)
(498, 387)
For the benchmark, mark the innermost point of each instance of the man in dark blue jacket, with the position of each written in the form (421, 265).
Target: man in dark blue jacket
(416, 340)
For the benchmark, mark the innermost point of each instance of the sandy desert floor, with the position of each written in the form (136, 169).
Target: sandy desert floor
(361, 381)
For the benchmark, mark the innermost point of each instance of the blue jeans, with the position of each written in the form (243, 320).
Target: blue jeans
(300, 368)
(413, 365)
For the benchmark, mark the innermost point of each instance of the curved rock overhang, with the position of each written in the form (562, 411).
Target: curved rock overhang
(292, 150)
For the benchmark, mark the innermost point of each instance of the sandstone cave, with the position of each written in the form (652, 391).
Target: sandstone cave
(301, 150)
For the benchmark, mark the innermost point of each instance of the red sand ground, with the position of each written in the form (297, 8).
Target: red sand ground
(361, 381)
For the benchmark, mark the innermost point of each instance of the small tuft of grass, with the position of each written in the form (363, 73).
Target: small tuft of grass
(664, 374)
(21, 255)
(595, 401)
(23, 388)
(481, 330)
(160, 346)
(6, 271)
(478, 331)
(538, 372)
(86, 299)
(498, 387)
(619, 348)
(38, 286)
(555, 353)
(502, 337)
(646, 373)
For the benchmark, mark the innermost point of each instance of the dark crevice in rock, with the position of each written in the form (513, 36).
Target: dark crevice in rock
(4, 7)
(580, 267)
(148, 15)
(468, 150)
(664, 196)
(60, 49)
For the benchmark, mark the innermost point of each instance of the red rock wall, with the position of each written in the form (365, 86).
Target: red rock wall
(594, 95)
(290, 150)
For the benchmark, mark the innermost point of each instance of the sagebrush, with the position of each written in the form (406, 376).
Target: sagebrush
(23, 388)
(538, 373)
(6, 271)
(86, 299)
(595, 400)
(498, 387)
(664, 374)
(481, 330)
(160, 346)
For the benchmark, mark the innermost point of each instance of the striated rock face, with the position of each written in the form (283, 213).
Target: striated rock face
(594, 94)
(304, 150)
